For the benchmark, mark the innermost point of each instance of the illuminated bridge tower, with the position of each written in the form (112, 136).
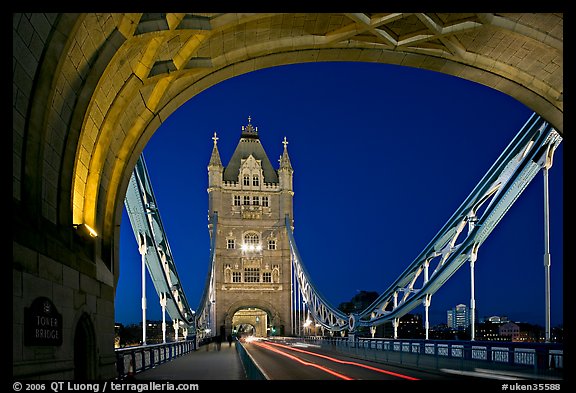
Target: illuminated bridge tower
(252, 268)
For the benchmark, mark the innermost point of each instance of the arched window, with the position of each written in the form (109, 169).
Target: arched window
(251, 242)
(246, 180)
(251, 238)
(255, 180)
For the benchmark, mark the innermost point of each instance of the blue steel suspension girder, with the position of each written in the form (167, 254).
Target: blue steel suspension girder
(142, 209)
(526, 149)
(500, 187)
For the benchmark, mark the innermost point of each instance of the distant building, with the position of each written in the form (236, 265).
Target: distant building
(509, 330)
(411, 326)
(489, 331)
(154, 332)
(458, 318)
(496, 319)
(530, 333)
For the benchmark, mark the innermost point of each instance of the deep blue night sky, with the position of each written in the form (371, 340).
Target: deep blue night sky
(382, 157)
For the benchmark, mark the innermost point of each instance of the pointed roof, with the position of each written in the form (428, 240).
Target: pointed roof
(215, 157)
(285, 159)
(249, 144)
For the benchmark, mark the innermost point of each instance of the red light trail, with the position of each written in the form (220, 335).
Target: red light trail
(270, 344)
(327, 370)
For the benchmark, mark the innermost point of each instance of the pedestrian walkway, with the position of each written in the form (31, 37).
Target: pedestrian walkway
(207, 363)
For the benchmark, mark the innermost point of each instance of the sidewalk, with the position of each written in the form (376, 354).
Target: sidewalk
(207, 363)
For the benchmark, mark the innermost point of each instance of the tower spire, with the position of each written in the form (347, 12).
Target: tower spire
(215, 157)
(285, 159)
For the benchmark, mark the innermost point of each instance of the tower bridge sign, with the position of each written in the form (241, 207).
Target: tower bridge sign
(42, 323)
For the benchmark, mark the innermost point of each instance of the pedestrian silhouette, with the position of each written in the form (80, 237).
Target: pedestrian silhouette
(229, 340)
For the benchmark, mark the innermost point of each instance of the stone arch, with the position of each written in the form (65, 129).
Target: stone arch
(262, 304)
(113, 78)
(89, 91)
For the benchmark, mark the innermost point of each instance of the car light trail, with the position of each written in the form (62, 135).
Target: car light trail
(347, 362)
(327, 370)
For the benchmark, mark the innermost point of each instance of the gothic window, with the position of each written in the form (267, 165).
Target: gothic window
(265, 201)
(251, 242)
(246, 180)
(255, 181)
(251, 238)
(236, 276)
(230, 244)
(267, 277)
(251, 274)
(236, 200)
(271, 244)
(246, 200)
(256, 200)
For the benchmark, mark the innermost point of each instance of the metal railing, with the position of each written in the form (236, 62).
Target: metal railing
(132, 360)
(514, 359)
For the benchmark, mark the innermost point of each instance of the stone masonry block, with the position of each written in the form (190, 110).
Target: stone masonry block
(50, 269)
(24, 258)
(89, 285)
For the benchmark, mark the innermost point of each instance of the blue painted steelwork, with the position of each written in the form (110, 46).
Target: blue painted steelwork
(531, 149)
(147, 226)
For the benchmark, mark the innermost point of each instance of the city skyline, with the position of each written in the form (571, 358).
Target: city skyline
(369, 143)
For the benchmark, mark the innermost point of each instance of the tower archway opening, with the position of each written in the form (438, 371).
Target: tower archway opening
(251, 322)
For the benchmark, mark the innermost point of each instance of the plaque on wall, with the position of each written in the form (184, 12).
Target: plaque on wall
(42, 323)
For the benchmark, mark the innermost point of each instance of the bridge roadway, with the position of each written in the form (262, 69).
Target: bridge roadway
(288, 360)
(281, 360)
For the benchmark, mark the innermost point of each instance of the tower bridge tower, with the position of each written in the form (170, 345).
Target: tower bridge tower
(253, 265)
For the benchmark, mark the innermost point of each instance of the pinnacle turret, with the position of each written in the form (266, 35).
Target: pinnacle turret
(284, 158)
(215, 160)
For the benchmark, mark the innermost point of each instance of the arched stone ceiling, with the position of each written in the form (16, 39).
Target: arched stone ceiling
(101, 84)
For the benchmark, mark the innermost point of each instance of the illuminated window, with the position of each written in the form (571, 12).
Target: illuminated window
(236, 276)
(236, 200)
(267, 277)
(265, 201)
(251, 238)
(251, 274)
(251, 243)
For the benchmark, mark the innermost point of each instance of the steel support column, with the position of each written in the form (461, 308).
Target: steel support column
(142, 248)
(163, 305)
(546, 254)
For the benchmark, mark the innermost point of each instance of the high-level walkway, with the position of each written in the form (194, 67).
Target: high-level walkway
(207, 363)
